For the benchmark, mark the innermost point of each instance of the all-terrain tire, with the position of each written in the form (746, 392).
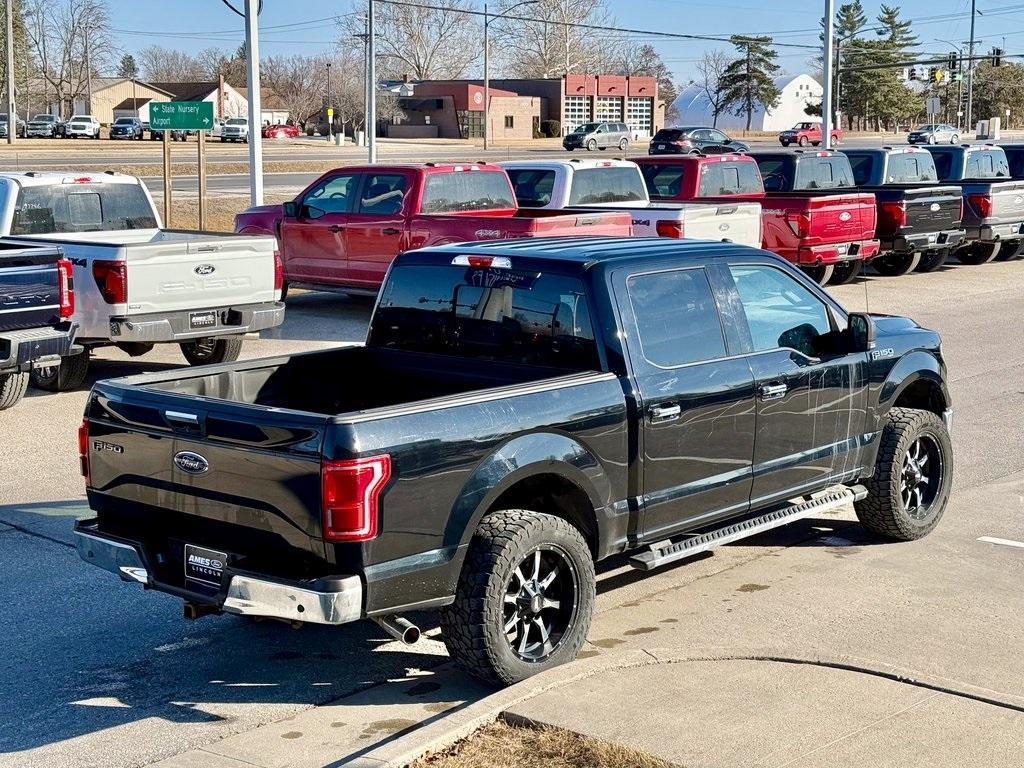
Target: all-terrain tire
(978, 253)
(932, 260)
(845, 272)
(883, 511)
(896, 264)
(63, 378)
(210, 351)
(819, 273)
(473, 625)
(12, 389)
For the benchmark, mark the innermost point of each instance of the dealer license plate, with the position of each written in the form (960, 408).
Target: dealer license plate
(202, 320)
(205, 565)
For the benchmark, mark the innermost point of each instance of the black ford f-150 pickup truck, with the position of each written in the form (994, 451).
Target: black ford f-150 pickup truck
(36, 303)
(520, 410)
(919, 218)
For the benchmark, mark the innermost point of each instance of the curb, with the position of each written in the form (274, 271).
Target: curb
(446, 731)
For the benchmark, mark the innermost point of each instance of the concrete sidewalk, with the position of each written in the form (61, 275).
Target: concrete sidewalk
(743, 712)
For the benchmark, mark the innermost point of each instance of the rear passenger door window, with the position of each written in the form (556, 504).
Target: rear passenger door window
(383, 194)
(677, 318)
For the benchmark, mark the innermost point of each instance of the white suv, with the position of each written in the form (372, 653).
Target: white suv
(83, 125)
(235, 129)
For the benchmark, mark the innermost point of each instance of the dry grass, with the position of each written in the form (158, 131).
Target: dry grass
(212, 169)
(220, 211)
(509, 746)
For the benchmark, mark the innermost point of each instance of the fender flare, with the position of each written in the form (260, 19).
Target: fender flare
(911, 368)
(523, 457)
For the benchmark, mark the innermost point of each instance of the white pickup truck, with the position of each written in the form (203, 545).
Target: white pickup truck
(136, 284)
(619, 185)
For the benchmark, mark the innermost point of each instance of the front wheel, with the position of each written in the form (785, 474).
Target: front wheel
(896, 264)
(524, 600)
(784, 143)
(820, 273)
(803, 141)
(932, 260)
(210, 351)
(908, 491)
(64, 377)
(954, 139)
(845, 272)
(591, 145)
(12, 389)
(623, 145)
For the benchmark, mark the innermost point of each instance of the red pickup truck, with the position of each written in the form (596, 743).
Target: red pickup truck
(346, 227)
(808, 133)
(808, 216)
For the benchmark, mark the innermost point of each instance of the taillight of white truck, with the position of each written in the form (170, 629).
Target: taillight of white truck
(112, 280)
(66, 288)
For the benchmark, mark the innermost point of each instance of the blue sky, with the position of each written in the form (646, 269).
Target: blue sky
(302, 26)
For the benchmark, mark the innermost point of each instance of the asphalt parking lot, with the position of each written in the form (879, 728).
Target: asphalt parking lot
(97, 673)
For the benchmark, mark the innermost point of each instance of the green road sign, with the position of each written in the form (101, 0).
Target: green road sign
(181, 115)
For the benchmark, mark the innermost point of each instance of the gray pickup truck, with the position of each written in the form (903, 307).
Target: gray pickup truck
(993, 200)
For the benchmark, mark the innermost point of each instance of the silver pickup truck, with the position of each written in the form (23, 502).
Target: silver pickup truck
(137, 285)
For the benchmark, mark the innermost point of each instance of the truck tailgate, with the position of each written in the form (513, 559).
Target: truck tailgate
(207, 271)
(933, 209)
(1007, 201)
(207, 472)
(738, 222)
(842, 218)
(29, 288)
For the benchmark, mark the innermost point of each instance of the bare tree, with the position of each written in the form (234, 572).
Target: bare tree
(440, 42)
(548, 45)
(300, 82)
(214, 62)
(166, 65)
(710, 70)
(635, 59)
(68, 38)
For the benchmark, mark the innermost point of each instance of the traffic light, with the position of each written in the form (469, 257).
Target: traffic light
(938, 76)
(953, 63)
(934, 75)
(997, 57)
(912, 73)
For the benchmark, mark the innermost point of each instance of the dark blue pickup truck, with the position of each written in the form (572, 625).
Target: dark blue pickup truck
(520, 410)
(36, 303)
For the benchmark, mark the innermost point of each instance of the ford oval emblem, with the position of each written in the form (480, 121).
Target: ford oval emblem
(205, 269)
(845, 216)
(935, 207)
(191, 462)
(1018, 200)
(723, 227)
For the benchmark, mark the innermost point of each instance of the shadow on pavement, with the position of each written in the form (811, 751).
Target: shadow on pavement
(323, 316)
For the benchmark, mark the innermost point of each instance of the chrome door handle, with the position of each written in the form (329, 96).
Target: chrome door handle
(665, 412)
(772, 391)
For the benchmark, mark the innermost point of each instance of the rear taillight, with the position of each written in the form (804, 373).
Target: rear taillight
(83, 450)
(112, 280)
(893, 215)
(66, 288)
(982, 204)
(350, 495)
(670, 229)
(799, 222)
(278, 271)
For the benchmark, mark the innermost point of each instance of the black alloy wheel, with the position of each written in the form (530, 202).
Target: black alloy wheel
(540, 603)
(921, 477)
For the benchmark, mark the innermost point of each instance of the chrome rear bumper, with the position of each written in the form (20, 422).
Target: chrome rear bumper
(246, 595)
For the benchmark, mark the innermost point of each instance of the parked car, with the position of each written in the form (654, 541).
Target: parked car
(1015, 159)
(619, 185)
(934, 133)
(37, 296)
(593, 136)
(175, 134)
(83, 126)
(127, 128)
(480, 452)
(814, 216)
(235, 129)
(920, 221)
(3, 126)
(281, 131)
(137, 285)
(993, 202)
(345, 229)
(809, 132)
(688, 141)
(42, 126)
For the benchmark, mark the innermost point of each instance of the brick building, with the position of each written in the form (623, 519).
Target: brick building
(455, 108)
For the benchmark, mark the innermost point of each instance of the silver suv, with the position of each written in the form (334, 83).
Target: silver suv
(591, 136)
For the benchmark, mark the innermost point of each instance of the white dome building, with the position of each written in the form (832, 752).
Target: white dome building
(797, 92)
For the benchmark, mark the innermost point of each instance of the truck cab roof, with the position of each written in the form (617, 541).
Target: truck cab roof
(49, 178)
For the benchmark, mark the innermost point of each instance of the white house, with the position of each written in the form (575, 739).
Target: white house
(228, 101)
(797, 92)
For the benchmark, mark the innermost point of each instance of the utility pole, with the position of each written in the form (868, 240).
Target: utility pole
(330, 119)
(371, 86)
(88, 73)
(366, 75)
(826, 93)
(12, 117)
(252, 78)
(487, 78)
(970, 71)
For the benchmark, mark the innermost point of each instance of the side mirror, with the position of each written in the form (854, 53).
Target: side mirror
(290, 210)
(862, 332)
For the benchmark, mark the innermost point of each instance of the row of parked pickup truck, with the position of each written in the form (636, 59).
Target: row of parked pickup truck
(830, 213)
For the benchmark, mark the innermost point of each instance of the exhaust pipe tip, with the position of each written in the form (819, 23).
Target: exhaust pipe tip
(399, 628)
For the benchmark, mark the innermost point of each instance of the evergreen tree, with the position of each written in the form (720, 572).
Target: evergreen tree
(127, 67)
(748, 81)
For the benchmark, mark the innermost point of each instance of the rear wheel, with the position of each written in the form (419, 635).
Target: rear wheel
(210, 351)
(820, 273)
(12, 389)
(908, 491)
(591, 145)
(932, 260)
(802, 141)
(524, 600)
(954, 139)
(64, 377)
(978, 253)
(896, 264)
(845, 272)
(1009, 250)
(623, 145)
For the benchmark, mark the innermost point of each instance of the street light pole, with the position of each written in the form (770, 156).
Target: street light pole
(826, 94)
(252, 77)
(487, 71)
(12, 117)
(330, 118)
(371, 86)
(970, 71)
